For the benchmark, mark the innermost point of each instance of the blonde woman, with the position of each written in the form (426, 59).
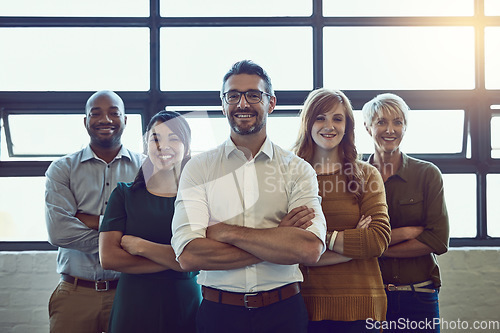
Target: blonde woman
(419, 219)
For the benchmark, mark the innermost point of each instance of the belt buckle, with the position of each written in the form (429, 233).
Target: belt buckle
(391, 287)
(98, 288)
(245, 300)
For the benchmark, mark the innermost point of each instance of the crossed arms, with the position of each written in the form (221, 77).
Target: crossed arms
(131, 254)
(229, 247)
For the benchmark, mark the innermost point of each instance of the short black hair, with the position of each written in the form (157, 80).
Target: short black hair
(251, 68)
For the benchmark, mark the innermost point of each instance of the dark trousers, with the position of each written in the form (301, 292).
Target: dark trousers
(410, 311)
(288, 316)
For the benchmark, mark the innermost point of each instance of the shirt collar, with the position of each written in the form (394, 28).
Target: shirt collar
(403, 172)
(266, 148)
(89, 154)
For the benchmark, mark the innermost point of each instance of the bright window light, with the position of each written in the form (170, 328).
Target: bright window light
(492, 7)
(399, 58)
(186, 66)
(421, 135)
(74, 59)
(398, 7)
(22, 209)
(226, 8)
(493, 208)
(495, 137)
(492, 61)
(42, 134)
(101, 8)
(460, 195)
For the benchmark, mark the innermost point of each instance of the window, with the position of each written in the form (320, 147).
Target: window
(282, 125)
(36, 136)
(399, 58)
(229, 8)
(214, 128)
(495, 136)
(440, 56)
(182, 68)
(22, 209)
(461, 213)
(492, 63)
(422, 133)
(493, 196)
(65, 8)
(491, 7)
(398, 8)
(62, 59)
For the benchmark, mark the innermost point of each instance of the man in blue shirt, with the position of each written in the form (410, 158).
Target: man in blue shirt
(77, 189)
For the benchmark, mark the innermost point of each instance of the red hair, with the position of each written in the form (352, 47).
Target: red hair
(318, 102)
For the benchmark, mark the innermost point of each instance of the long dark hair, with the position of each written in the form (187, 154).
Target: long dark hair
(180, 127)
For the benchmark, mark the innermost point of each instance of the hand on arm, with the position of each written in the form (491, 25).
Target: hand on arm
(210, 254)
(91, 221)
(283, 246)
(162, 254)
(300, 217)
(363, 223)
(408, 249)
(330, 257)
(402, 234)
(114, 257)
(404, 243)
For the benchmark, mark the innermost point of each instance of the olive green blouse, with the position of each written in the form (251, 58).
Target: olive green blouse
(415, 196)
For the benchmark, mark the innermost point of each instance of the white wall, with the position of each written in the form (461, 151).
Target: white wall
(26, 281)
(471, 289)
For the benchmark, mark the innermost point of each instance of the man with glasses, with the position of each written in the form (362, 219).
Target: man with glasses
(247, 213)
(77, 189)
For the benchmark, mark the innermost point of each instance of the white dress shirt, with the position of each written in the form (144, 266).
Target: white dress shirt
(222, 185)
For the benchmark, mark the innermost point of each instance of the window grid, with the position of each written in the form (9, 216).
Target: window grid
(476, 102)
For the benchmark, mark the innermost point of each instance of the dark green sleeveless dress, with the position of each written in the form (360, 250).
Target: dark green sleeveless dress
(159, 302)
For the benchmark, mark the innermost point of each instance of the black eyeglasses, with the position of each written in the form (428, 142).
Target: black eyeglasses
(252, 96)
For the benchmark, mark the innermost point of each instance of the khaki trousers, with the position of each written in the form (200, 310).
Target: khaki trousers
(78, 309)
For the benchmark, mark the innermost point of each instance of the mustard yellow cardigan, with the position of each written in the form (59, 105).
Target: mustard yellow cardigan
(352, 290)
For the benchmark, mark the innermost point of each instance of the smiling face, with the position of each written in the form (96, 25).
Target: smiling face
(105, 120)
(245, 118)
(387, 131)
(165, 148)
(328, 128)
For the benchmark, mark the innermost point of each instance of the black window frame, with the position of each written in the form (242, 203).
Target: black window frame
(475, 102)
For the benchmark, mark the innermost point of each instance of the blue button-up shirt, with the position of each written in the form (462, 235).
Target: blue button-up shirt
(82, 183)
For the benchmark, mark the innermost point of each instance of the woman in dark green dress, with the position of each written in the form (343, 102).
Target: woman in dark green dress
(153, 294)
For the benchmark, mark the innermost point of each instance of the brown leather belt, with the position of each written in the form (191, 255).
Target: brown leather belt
(251, 300)
(97, 285)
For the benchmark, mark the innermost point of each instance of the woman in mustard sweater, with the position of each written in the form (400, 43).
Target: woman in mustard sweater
(344, 291)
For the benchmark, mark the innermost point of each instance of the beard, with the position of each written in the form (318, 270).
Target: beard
(260, 121)
(106, 142)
